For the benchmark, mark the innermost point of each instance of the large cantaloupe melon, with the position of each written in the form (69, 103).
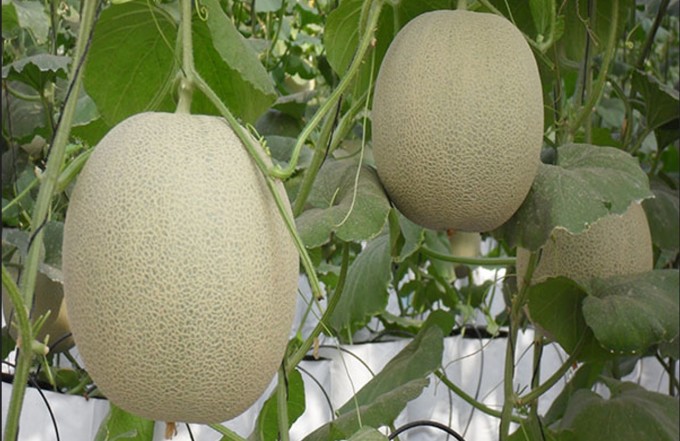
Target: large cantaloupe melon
(458, 120)
(614, 245)
(180, 275)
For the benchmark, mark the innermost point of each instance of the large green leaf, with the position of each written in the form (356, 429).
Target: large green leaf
(230, 66)
(631, 414)
(10, 19)
(267, 422)
(120, 425)
(556, 306)
(585, 184)
(333, 197)
(417, 360)
(628, 314)
(131, 62)
(365, 291)
(381, 400)
(380, 412)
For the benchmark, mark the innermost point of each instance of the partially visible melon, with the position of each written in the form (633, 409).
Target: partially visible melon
(614, 245)
(48, 296)
(180, 275)
(458, 120)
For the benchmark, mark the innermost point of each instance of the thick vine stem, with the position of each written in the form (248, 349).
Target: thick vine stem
(186, 86)
(472, 261)
(470, 400)
(282, 404)
(228, 435)
(25, 354)
(365, 43)
(41, 209)
(516, 308)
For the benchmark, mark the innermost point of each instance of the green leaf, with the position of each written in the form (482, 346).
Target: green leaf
(368, 434)
(52, 240)
(333, 197)
(631, 414)
(540, 12)
(577, 25)
(556, 306)
(10, 19)
(120, 425)
(37, 70)
(341, 35)
(586, 184)
(26, 118)
(381, 400)
(131, 63)
(267, 427)
(230, 66)
(662, 104)
(628, 314)
(585, 378)
(414, 235)
(663, 214)
(417, 360)
(29, 15)
(365, 291)
(385, 409)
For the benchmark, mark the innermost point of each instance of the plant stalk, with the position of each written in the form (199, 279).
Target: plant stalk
(55, 162)
(473, 261)
(282, 404)
(598, 87)
(517, 305)
(186, 87)
(470, 400)
(332, 303)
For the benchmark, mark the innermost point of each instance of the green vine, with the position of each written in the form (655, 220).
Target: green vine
(40, 213)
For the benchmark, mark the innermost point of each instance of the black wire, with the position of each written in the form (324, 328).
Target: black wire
(323, 391)
(191, 435)
(37, 387)
(419, 423)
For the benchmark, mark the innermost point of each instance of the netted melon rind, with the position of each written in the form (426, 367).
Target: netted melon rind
(180, 275)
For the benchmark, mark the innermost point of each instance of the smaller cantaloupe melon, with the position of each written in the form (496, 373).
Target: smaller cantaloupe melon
(614, 245)
(458, 120)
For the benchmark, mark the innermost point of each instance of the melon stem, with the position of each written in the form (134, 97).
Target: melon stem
(186, 86)
(327, 107)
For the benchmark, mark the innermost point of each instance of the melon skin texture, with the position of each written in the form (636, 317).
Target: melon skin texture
(458, 120)
(180, 274)
(615, 245)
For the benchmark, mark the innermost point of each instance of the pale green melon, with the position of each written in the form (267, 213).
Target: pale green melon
(458, 120)
(614, 245)
(180, 275)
